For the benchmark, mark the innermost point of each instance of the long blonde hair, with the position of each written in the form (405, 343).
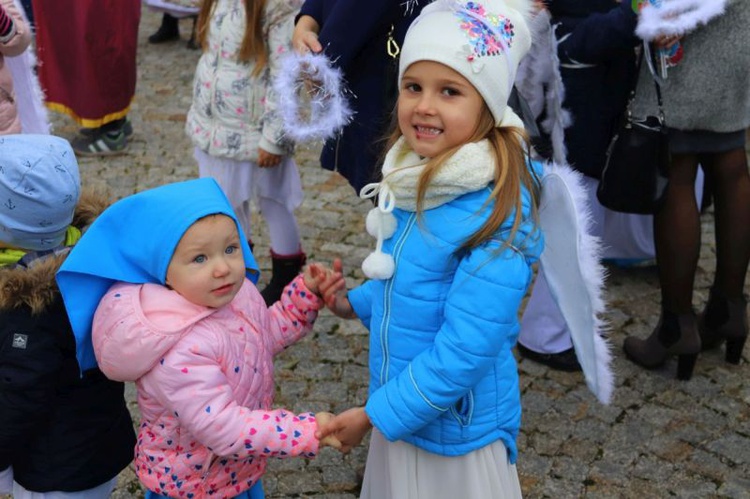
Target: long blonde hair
(253, 47)
(511, 175)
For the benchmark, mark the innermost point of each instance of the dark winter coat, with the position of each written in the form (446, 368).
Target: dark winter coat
(597, 65)
(354, 35)
(59, 431)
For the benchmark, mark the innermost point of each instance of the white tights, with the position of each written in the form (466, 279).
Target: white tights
(277, 191)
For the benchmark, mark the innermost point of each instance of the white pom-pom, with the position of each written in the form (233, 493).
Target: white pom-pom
(376, 217)
(379, 265)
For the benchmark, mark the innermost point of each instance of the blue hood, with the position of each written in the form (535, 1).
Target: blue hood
(133, 241)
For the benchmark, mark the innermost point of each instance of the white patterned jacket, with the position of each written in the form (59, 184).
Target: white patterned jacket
(233, 111)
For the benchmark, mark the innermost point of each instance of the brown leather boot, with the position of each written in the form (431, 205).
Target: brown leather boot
(722, 320)
(674, 335)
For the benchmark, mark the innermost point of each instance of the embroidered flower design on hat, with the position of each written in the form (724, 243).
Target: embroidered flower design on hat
(489, 34)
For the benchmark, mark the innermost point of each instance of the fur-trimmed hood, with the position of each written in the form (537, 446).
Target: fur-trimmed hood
(36, 287)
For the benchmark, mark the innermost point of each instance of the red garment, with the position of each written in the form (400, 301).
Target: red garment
(87, 56)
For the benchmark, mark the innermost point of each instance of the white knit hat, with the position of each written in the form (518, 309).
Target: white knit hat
(39, 190)
(483, 40)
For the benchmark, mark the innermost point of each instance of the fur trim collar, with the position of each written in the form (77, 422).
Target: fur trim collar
(35, 287)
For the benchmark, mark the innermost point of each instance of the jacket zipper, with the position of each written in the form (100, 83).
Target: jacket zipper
(385, 321)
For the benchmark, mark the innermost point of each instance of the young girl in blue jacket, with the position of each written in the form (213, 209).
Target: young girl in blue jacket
(456, 237)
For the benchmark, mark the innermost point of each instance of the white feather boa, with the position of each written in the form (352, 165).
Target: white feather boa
(539, 82)
(676, 17)
(329, 110)
(29, 96)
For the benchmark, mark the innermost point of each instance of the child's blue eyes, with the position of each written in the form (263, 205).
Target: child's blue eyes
(229, 250)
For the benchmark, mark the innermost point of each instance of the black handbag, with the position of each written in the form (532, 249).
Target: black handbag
(634, 178)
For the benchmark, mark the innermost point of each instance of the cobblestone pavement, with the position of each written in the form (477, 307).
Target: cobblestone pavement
(660, 437)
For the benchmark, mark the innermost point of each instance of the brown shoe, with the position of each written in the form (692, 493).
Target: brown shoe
(673, 335)
(724, 320)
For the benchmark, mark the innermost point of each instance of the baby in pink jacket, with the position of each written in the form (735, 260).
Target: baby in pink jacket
(183, 321)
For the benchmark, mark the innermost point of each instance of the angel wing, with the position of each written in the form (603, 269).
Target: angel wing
(574, 274)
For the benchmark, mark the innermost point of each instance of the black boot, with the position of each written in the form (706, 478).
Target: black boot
(674, 335)
(285, 268)
(723, 320)
(168, 31)
(192, 43)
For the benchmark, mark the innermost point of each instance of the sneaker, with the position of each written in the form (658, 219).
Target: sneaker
(100, 143)
(127, 128)
(563, 361)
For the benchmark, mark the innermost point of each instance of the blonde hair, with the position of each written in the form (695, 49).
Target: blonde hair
(511, 176)
(253, 47)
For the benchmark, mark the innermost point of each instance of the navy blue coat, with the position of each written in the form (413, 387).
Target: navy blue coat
(354, 36)
(60, 431)
(597, 59)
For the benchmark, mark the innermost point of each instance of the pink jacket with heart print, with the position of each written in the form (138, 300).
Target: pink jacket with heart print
(205, 383)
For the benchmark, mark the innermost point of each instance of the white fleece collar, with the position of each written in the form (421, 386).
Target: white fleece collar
(471, 168)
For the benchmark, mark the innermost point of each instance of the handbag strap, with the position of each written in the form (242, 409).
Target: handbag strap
(646, 51)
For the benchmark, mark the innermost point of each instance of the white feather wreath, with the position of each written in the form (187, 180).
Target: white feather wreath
(328, 111)
(676, 17)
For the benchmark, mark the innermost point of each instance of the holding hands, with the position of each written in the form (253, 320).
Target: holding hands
(330, 286)
(323, 419)
(347, 428)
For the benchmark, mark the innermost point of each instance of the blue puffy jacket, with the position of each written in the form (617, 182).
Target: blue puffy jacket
(442, 373)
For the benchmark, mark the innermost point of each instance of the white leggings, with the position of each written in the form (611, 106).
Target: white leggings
(276, 190)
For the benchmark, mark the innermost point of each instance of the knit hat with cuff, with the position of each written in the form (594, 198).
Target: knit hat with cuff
(39, 189)
(483, 40)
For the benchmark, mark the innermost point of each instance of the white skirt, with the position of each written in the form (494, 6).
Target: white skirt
(242, 181)
(397, 470)
(175, 9)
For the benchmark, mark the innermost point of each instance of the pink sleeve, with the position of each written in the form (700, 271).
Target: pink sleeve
(292, 317)
(189, 382)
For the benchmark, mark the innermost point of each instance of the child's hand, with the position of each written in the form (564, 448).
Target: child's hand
(315, 274)
(267, 159)
(666, 41)
(334, 294)
(349, 427)
(323, 419)
(305, 35)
